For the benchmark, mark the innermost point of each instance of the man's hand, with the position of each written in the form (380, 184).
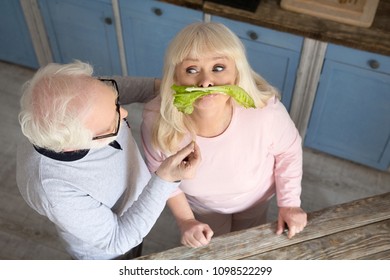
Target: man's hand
(195, 234)
(294, 217)
(182, 165)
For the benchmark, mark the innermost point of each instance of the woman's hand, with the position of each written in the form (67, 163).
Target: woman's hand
(294, 217)
(182, 165)
(194, 233)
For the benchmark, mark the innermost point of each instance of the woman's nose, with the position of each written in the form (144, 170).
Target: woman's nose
(205, 81)
(124, 112)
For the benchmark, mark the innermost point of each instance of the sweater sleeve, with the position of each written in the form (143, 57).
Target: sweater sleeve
(96, 224)
(287, 150)
(135, 89)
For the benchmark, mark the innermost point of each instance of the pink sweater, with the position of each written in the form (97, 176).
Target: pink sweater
(259, 154)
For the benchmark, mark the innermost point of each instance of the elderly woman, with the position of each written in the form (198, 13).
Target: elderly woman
(248, 155)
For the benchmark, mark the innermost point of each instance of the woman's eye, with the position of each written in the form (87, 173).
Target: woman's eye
(218, 68)
(191, 70)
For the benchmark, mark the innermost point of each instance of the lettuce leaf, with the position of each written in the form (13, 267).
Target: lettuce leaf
(185, 96)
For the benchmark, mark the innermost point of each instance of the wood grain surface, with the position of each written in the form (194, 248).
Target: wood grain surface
(350, 230)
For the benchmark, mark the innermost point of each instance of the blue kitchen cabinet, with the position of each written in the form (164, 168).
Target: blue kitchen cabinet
(148, 27)
(272, 54)
(15, 41)
(83, 30)
(351, 113)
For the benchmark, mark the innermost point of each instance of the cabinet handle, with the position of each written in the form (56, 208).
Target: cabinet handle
(157, 11)
(374, 64)
(108, 20)
(253, 35)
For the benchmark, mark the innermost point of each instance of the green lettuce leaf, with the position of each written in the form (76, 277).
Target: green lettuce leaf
(185, 96)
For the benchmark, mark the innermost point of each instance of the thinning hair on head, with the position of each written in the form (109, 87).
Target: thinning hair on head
(53, 105)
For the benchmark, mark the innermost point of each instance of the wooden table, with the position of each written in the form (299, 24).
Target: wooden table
(356, 230)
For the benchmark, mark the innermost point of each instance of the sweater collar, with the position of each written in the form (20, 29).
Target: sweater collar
(72, 155)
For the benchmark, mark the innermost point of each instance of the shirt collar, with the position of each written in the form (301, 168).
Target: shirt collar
(62, 156)
(72, 155)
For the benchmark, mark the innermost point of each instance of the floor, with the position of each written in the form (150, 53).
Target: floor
(26, 235)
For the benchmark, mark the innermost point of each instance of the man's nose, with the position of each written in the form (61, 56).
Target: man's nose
(124, 113)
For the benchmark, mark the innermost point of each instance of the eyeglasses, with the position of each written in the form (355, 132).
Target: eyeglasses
(112, 83)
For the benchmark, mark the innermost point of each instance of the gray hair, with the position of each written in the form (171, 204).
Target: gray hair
(54, 104)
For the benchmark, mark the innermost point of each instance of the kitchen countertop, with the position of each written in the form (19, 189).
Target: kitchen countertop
(269, 14)
(358, 229)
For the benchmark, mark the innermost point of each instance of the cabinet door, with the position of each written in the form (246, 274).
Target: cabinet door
(274, 55)
(148, 27)
(351, 112)
(16, 45)
(83, 30)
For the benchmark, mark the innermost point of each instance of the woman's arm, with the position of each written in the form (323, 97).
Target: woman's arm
(193, 233)
(288, 174)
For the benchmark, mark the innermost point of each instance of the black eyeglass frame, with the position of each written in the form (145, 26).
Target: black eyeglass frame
(118, 106)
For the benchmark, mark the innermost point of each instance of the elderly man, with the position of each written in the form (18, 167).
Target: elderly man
(80, 166)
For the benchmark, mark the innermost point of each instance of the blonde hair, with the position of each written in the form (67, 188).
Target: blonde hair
(194, 41)
(53, 105)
